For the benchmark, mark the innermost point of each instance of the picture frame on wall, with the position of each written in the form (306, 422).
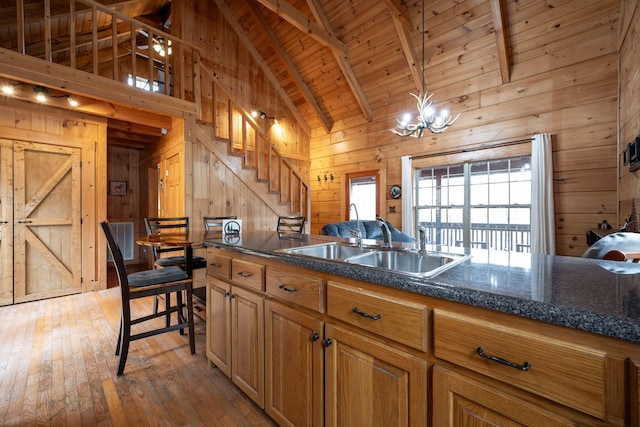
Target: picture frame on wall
(117, 188)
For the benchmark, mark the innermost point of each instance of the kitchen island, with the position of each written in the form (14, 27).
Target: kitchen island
(558, 338)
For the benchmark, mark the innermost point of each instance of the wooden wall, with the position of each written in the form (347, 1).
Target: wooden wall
(629, 108)
(563, 81)
(122, 165)
(216, 183)
(237, 72)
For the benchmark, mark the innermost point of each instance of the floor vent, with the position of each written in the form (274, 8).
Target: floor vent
(123, 233)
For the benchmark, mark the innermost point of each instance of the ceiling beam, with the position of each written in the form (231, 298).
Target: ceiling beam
(291, 67)
(341, 59)
(403, 27)
(301, 22)
(151, 109)
(400, 13)
(498, 12)
(138, 128)
(222, 5)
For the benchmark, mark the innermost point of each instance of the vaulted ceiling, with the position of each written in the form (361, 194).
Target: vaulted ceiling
(340, 59)
(337, 59)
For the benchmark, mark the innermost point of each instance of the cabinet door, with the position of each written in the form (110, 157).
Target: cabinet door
(219, 324)
(6, 222)
(635, 393)
(247, 343)
(294, 366)
(460, 401)
(371, 383)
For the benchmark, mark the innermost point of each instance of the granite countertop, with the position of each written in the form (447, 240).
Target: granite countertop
(596, 296)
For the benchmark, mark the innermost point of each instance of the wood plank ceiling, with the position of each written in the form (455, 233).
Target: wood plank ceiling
(334, 59)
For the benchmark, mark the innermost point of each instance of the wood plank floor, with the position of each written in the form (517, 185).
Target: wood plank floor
(57, 367)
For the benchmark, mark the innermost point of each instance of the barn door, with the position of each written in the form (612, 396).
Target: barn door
(6, 222)
(47, 229)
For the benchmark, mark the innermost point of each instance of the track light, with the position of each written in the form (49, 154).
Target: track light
(41, 93)
(72, 101)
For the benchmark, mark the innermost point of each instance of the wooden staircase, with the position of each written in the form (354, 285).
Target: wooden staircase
(222, 123)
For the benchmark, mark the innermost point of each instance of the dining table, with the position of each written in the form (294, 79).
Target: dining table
(186, 240)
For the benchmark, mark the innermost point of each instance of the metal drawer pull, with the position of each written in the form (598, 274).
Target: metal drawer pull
(214, 265)
(284, 288)
(523, 367)
(368, 316)
(243, 274)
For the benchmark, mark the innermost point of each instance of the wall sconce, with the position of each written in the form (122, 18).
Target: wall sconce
(263, 115)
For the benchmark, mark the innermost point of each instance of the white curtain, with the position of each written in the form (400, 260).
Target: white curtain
(543, 238)
(407, 197)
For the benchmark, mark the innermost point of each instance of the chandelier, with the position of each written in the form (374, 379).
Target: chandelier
(159, 46)
(428, 117)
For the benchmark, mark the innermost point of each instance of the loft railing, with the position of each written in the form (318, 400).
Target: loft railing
(501, 237)
(92, 38)
(234, 125)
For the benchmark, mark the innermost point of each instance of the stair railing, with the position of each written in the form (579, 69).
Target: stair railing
(236, 126)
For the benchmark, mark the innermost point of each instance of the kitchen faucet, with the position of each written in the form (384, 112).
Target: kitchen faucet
(356, 233)
(422, 240)
(386, 233)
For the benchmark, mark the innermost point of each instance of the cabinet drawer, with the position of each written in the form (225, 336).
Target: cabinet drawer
(398, 319)
(564, 372)
(218, 265)
(305, 291)
(248, 273)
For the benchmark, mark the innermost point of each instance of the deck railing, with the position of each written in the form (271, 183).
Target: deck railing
(502, 237)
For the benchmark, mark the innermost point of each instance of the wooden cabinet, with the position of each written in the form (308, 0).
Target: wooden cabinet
(219, 324)
(294, 366)
(459, 401)
(635, 393)
(304, 290)
(235, 332)
(315, 349)
(371, 383)
(247, 343)
(399, 319)
(562, 372)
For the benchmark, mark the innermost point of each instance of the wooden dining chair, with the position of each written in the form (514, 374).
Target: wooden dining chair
(214, 223)
(157, 225)
(291, 224)
(171, 225)
(149, 283)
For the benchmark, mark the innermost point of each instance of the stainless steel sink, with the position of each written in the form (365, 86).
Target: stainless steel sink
(334, 251)
(411, 263)
(396, 260)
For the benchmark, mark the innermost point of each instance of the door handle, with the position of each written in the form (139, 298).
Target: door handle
(25, 221)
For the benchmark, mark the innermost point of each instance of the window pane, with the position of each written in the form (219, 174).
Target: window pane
(499, 195)
(479, 194)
